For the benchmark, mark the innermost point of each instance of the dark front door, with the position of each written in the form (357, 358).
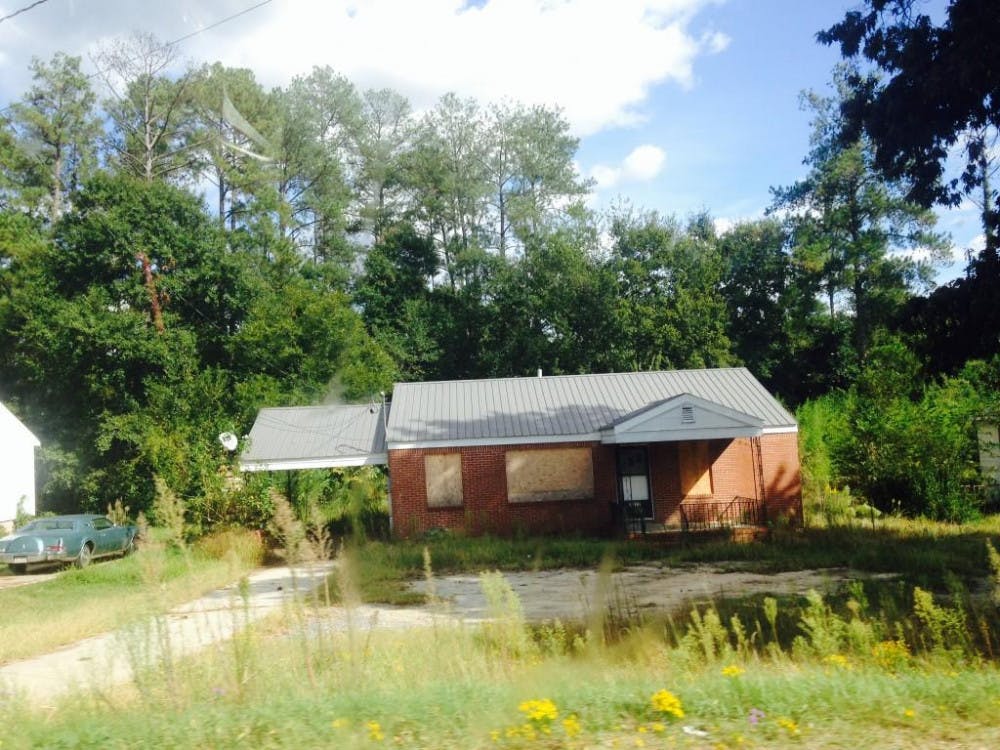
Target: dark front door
(633, 482)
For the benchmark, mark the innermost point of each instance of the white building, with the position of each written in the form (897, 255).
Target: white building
(17, 466)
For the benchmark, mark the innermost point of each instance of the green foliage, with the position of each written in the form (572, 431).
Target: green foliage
(670, 313)
(901, 444)
(57, 130)
(921, 57)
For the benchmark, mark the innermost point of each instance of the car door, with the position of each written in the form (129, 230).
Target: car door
(105, 539)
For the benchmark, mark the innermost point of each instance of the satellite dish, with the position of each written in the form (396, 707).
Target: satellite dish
(229, 440)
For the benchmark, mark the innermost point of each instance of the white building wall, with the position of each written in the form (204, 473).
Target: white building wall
(17, 466)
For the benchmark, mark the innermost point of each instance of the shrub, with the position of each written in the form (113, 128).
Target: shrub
(242, 544)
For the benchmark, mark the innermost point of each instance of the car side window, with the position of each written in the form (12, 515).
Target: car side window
(101, 524)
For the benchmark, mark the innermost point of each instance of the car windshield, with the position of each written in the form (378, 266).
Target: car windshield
(47, 524)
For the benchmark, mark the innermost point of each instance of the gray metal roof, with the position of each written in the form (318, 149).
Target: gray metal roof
(562, 406)
(302, 437)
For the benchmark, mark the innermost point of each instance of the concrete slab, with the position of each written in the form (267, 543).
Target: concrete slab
(107, 660)
(572, 595)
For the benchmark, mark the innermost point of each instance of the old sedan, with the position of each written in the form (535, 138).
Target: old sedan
(60, 539)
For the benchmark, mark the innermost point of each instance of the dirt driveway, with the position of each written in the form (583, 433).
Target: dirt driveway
(571, 594)
(13, 581)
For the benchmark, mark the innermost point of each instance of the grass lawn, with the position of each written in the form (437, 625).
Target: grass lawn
(887, 665)
(78, 604)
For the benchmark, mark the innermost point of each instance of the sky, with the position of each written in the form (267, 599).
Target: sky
(680, 105)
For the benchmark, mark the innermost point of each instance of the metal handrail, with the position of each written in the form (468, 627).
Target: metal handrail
(722, 514)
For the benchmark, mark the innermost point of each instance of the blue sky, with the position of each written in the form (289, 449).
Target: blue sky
(680, 105)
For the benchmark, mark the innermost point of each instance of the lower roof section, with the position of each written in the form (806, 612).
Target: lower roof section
(315, 437)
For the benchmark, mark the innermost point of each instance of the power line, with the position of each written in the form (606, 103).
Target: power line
(178, 40)
(25, 9)
(227, 19)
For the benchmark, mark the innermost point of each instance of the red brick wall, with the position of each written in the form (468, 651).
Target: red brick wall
(484, 485)
(782, 475)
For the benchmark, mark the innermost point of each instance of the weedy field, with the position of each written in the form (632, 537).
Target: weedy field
(78, 604)
(886, 664)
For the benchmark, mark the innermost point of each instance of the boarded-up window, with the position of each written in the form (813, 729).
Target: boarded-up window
(443, 475)
(556, 474)
(696, 470)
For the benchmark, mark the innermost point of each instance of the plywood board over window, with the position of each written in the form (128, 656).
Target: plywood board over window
(552, 474)
(696, 469)
(443, 476)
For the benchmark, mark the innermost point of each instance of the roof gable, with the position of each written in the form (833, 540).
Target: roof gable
(682, 417)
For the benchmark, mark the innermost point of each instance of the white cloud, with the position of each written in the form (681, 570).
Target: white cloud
(643, 163)
(715, 42)
(596, 59)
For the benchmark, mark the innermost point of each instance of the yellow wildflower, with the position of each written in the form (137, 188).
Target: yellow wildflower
(732, 671)
(790, 726)
(571, 725)
(539, 710)
(837, 660)
(495, 735)
(375, 731)
(909, 713)
(667, 703)
(891, 654)
(657, 726)
(338, 723)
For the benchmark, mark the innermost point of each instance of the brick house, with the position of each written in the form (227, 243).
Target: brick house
(594, 454)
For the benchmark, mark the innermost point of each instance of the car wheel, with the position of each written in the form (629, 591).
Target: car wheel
(19, 569)
(83, 559)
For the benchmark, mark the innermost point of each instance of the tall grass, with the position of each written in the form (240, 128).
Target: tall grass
(755, 673)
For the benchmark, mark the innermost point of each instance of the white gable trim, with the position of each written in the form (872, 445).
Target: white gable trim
(683, 417)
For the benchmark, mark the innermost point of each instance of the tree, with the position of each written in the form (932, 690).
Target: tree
(850, 224)
(670, 312)
(317, 127)
(761, 296)
(446, 171)
(58, 131)
(529, 165)
(940, 90)
(383, 138)
(140, 333)
(153, 115)
(395, 298)
(237, 158)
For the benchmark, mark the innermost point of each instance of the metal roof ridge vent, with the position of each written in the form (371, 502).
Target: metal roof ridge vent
(687, 414)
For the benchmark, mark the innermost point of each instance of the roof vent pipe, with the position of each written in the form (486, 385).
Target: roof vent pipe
(539, 372)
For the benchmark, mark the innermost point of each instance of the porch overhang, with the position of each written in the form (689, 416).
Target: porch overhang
(682, 417)
(316, 437)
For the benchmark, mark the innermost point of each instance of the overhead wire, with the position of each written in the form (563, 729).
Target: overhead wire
(25, 9)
